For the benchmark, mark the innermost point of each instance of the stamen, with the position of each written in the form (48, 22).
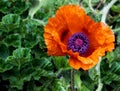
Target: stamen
(78, 42)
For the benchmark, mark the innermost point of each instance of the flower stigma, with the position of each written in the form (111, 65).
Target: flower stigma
(78, 42)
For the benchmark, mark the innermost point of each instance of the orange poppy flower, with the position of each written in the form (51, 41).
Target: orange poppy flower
(72, 32)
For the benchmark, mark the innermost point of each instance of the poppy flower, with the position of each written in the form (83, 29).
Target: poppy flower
(72, 32)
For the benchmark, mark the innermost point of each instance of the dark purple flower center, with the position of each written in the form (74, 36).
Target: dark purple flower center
(78, 42)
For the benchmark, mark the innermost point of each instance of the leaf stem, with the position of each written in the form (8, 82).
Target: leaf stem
(105, 10)
(90, 6)
(72, 80)
(35, 7)
(104, 13)
(62, 69)
(100, 85)
(101, 2)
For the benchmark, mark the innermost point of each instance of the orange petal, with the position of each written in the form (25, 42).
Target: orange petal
(99, 34)
(76, 64)
(74, 16)
(89, 60)
(52, 45)
(109, 47)
(93, 58)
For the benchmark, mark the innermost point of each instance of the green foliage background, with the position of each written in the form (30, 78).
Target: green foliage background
(24, 63)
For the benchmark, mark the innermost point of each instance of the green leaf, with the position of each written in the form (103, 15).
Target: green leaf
(59, 85)
(15, 82)
(4, 6)
(4, 66)
(14, 6)
(29, 25)
(30, 86)
(61, 62)
(20, 6)
(44, 63)
(110, 57)
(112, 73)
(116, 19)
(116, 8)
(31, 35)
(93, 74)
(116, 67)
(22, 53)
(20, 56)
(38, 73)
(118, 38)
(110, 77)
(14, 78)
(117, 53)
(84, 88)
(13, 40)
(10, 22)
(78, 82)
(4, 51)
(17, 77)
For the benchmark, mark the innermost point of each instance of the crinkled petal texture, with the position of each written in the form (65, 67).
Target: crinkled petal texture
(71, 19)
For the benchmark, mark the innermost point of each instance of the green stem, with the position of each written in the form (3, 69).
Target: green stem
(101, 2)
(72, 80)
(106, 9)
(39, 21)
(100, 85)
(35, 7)
(104, 13)
(62, 69)
(90, 6)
